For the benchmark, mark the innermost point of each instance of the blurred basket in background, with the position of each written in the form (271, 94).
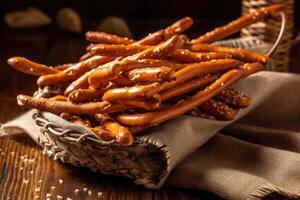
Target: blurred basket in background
(268, 30)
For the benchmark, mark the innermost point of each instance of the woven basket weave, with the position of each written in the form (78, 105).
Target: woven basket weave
(268, 30)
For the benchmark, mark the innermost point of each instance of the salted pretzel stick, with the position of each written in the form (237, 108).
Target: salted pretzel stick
(74, 72)
(29, 67)
(203, 96)
(236, 25)
(180, 76)
(178, 27)
(182, 55)
(82, 82)
(240, 54)
(64, 66)
(101, 76)
(101, 37)
(185, 87)
(81, 95)
(146, 104)
(219, 109)
(151, 74)
(235, 98)
(116, 130)
(59, 98)
(61, 106)
(103, 134)
(86, 56)
(198, 112)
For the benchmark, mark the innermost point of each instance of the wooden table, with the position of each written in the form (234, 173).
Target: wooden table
(25, 172)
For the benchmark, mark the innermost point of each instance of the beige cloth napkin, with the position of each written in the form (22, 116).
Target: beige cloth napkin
(229, 167)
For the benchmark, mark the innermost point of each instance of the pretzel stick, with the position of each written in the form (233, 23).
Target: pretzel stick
(64, 66)
(186, 56)
(59, 98)
(102, 75)
(86, 56)
(117, 131)
(187, 86)
(182, 55)
(81, 95)
(178, 27)
(101, 37)
(234, 97)
(157, 117)
(198, 112)
(219, 109)
(103, 134)
(122, 134)
(61, 106)
(152, 74)
(74, 72)
(29, 67)
(240, 54)
(146, 104)
(236, 25)
(180, 76)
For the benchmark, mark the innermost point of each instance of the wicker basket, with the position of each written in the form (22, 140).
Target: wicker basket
(146, 161)
(267, 30)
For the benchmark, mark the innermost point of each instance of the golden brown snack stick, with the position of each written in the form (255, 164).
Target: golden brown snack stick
(146, 104)
(152, 39)
(181, 55)
(101, 37)
(103, 134)
(62, 106)
(240, 54)
(250, 68)
(151, 74)
(186, 56)
(203, 96)
(74, 72)
(180, 76)
(29, 67)
(59, 98)
(117, 131)
(64, 66)
(236, 25)
(235, 98)
(102, 75)
(81, 95)
(86, 56)
(187, 86)
(219, 109)
(178, 27)
(122, 134)
(116, 50)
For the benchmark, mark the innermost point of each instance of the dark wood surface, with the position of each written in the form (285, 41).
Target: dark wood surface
(25, 173)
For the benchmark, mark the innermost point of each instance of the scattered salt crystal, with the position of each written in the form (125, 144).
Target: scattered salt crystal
(85, 189)
(37, 197)
(25, 181)
(60, 181)
(68, 198)
(90, 192)
(31, 172)
(48, 195)
(38, 189)
(52, 187)
(59, 197)
(21, 168)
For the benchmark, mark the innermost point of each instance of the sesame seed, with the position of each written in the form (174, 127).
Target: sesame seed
(76, 191)
(48, 195)
(100, 194)
(25, 181)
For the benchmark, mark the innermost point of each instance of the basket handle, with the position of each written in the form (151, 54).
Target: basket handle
(281, 32)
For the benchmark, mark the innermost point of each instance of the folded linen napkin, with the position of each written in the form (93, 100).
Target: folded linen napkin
(220, 165)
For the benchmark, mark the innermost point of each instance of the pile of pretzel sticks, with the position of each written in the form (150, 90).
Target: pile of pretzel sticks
(121, 86)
